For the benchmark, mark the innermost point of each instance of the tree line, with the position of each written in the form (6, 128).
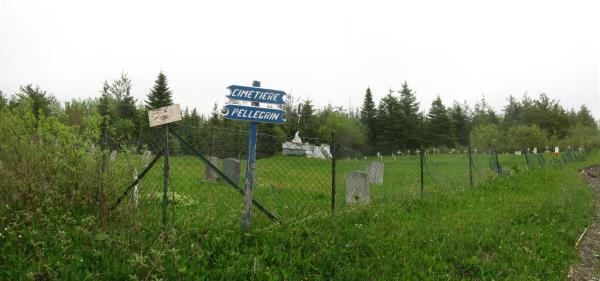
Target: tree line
(395, 123)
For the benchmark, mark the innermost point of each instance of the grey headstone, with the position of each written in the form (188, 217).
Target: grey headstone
(145, 159)
(231, 168)
(113, 155)
(375, 171)
(357, 188)
(209, 173)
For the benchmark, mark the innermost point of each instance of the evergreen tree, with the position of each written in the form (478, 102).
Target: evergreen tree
(585, 118)
(308, 122)
(159, 95)
(513, 112)
(368, 116)
(459, 116)
(408, 121)
(439, 126)
(40, 102)
(387, 113)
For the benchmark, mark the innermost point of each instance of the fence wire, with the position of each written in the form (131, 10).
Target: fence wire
(295, 179)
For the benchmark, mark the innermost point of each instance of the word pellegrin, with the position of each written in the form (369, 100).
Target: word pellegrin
(252, 94)
(255, 114)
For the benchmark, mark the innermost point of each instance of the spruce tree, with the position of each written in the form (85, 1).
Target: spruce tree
(460, 123)
(159, 95)
(368, 115)
(439, 126)
(387, 117)
(409, 121)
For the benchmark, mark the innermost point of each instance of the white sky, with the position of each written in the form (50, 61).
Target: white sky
(329, 51)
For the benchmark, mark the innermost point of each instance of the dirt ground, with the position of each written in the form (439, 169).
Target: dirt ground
(589, 244)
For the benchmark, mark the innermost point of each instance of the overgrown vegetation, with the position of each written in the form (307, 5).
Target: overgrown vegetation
(57, 184)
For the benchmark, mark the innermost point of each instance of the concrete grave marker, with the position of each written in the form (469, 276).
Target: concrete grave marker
(535, 150)
(357, 188)
(231, 168)
(375, 171)
(210, 173)
(113, 155)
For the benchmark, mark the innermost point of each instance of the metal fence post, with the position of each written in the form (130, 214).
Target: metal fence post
(333, 170)
(422, 153)
(470, 162)
(498, 169)
(527, 159)
(166, 181)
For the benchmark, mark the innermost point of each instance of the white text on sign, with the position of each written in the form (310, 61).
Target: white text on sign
(258, 95)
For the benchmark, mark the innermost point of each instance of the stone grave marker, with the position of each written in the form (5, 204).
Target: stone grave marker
(357, 187)
(231, 168)
(535, 150)
(210, 173)
(113, 155)
(375, 172)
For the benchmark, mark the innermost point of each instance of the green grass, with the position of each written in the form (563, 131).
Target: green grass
(518, 227)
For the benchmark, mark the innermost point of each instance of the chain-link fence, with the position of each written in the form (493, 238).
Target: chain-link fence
(198, 180)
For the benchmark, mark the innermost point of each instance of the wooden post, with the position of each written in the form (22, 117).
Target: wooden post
(252, 132)
(470, 162)
(333, 172)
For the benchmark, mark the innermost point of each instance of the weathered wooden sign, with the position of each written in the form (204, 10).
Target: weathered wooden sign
(254, 114)
(164, 115)
(255, 94)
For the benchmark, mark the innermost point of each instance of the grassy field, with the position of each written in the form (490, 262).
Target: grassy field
(517, 227)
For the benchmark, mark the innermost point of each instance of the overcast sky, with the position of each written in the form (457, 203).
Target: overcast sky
(328, 51)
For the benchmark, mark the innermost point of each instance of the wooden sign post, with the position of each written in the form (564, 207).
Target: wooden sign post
(164, 116)
(255, 114)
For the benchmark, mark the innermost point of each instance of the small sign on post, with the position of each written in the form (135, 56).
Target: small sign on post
(164, 115)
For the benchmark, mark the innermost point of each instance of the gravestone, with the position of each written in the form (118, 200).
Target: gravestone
(475, 151)
(231, 168)
(113, 155)
(517, 152)
(210, 173)
(357, 188)
(375, 171)
(535, 150)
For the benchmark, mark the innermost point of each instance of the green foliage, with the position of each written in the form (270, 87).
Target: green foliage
(3, 101)
(160, 94)
(487, 136)
(438, 125)
(521, 137)
(40, 102)
(368, 117)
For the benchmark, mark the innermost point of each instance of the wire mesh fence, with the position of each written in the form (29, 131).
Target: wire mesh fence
(295, 178)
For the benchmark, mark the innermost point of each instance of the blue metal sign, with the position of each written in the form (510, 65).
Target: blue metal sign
(254, 114)
(255, 94)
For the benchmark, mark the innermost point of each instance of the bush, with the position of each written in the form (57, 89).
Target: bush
(42, 160)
